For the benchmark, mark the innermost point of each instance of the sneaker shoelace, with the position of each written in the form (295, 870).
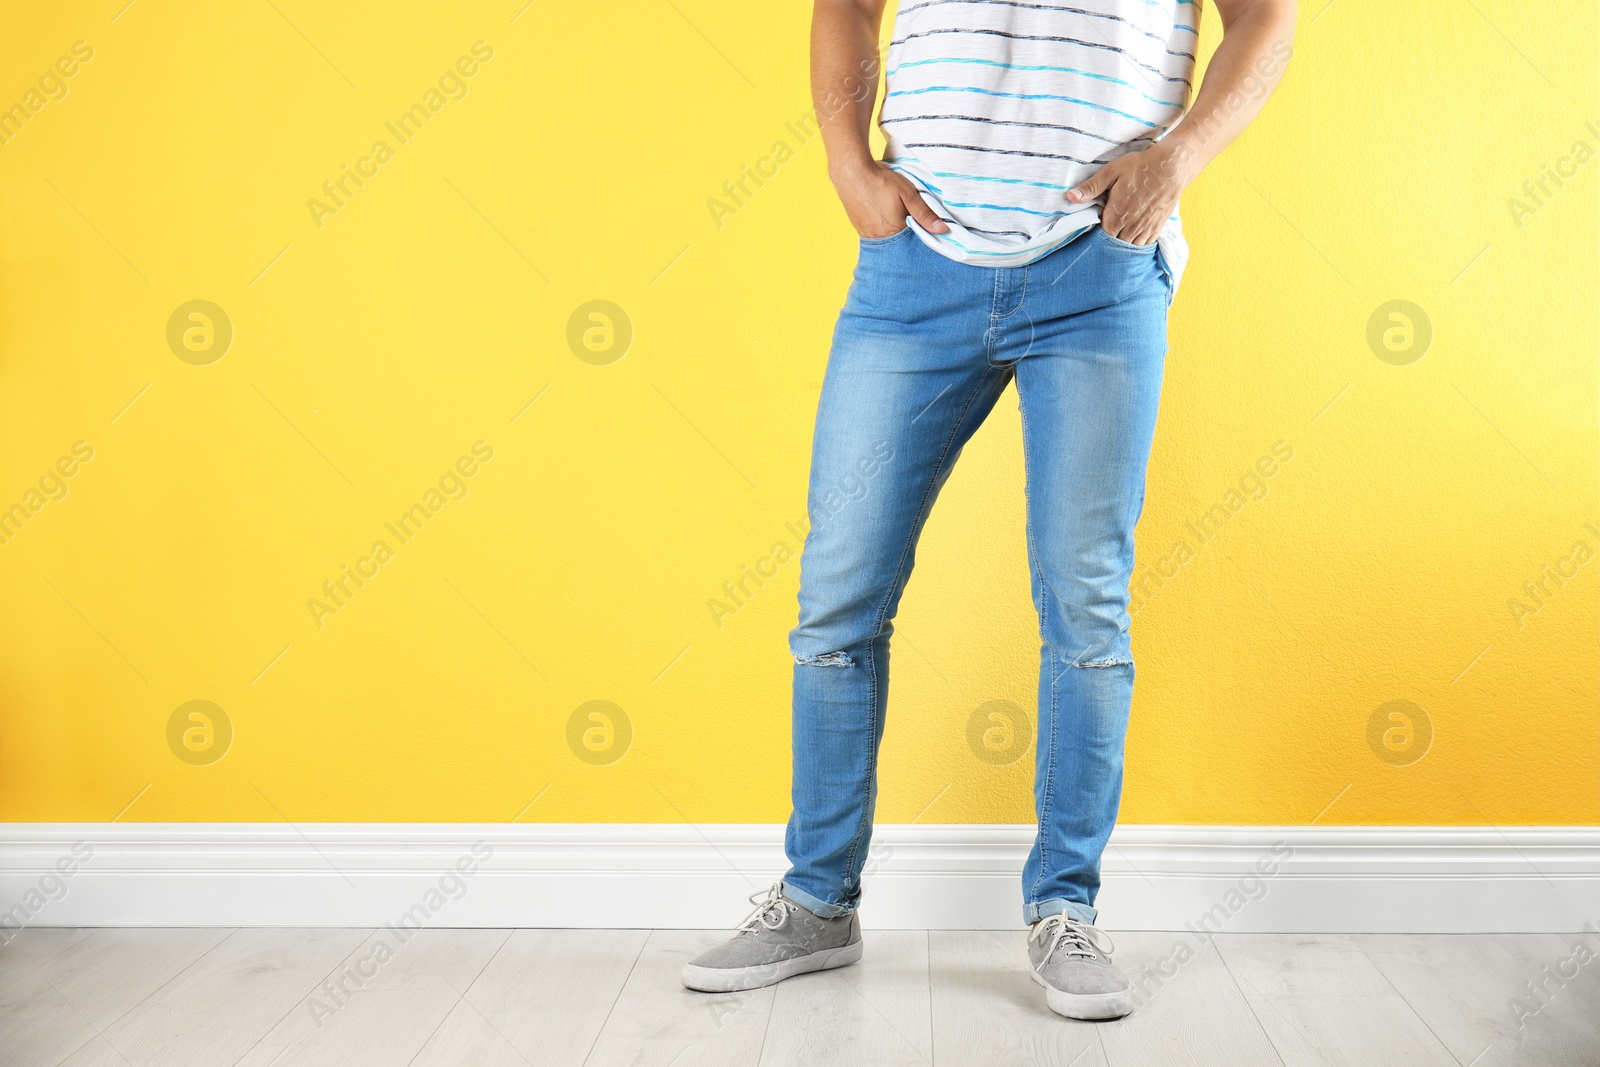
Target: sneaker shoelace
(1071, 938)
(772, 911)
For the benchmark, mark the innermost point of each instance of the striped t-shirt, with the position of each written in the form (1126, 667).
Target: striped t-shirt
(995, 108)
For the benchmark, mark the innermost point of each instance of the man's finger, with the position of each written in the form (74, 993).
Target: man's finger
(918, 209)
(1111, 219)
(1091, 186)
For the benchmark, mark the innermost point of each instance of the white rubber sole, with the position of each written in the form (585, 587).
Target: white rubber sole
(733, 979)
(1094, 1007)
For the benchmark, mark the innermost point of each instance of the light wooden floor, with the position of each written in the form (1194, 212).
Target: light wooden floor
(257, 997)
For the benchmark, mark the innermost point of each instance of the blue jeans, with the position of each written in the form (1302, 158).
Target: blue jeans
(922, 350)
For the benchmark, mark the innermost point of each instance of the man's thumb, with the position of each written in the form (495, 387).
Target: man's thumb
(1090, 187)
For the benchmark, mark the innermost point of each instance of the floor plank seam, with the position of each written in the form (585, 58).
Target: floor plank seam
(423, 1045)
(601, 1029)
(181, 972)
(1356, 940)
(298, 1001)
(1255, 1015)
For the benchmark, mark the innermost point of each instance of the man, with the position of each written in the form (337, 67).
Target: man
(1022, 225)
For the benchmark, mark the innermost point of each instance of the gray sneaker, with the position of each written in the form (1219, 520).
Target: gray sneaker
(1079, 979)
(779, 940)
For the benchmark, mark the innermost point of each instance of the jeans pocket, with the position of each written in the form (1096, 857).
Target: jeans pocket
(1117, 242)
(873, 242)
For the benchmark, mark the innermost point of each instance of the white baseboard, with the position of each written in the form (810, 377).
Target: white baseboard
(1237, 879)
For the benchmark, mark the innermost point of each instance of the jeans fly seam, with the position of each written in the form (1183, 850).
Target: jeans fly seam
(994, 321)
(1022, 299)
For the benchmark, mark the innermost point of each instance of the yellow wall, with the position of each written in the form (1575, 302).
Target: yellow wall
(374, 350)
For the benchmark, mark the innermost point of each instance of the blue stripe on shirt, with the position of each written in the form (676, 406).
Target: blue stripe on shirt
(1022, 96)
(1020, 66)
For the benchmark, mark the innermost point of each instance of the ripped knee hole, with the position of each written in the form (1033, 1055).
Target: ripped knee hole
(827, 659)
(1096, 663)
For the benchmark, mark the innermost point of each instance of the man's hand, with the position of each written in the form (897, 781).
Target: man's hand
(1141, 190)
(844, 84)
(878, 201)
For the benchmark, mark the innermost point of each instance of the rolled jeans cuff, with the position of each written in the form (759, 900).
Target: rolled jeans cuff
(1033, 912)
(820, 908)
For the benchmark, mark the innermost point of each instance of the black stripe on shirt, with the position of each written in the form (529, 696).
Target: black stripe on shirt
(1055, 7)
(1060, 40)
